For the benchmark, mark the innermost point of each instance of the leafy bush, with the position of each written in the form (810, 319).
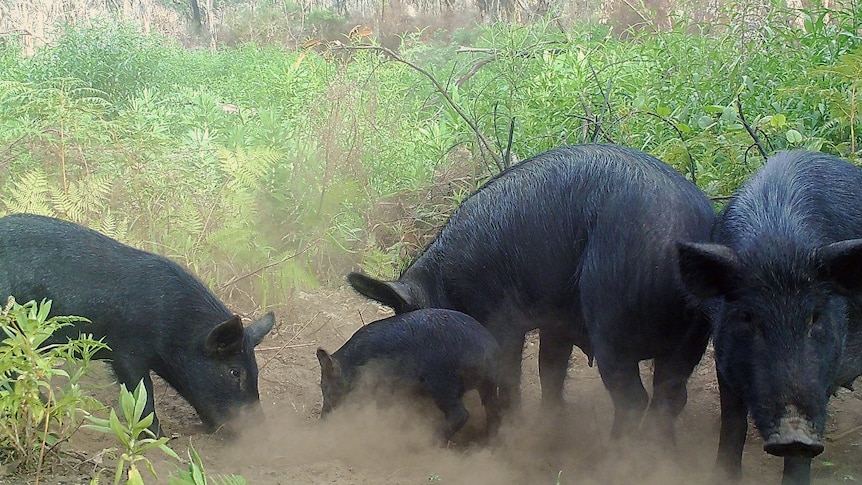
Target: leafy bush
(35, 416)
(112, 58)
(265, 170)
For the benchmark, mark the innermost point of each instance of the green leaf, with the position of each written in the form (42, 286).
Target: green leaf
(168, 451)
(120, 431)
(705, 122)
(135, 476)
(777, 120)
(793, 136)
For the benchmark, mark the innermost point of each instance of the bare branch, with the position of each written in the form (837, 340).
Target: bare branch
(748, 128)
(484, 142)
(235, 279)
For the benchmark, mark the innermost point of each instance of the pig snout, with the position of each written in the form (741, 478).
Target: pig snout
(795, 436)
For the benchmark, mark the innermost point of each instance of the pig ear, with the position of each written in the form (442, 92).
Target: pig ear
(708, 270)
(394, 294)
(258, 330)
(329, 367)
(842, 262)
(226, 338)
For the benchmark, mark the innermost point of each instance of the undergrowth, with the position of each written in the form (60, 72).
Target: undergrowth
(266, 171)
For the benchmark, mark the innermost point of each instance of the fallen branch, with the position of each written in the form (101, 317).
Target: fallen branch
(288, 343)
(844, 434)
(294, 346)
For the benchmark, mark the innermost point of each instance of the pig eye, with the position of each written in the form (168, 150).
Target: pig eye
(746, 317)
(234, 373)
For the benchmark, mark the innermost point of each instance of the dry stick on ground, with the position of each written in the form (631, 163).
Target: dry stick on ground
(748, 128)
(844, 434)
(485, 143)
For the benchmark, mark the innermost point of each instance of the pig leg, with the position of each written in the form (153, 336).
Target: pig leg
(734, 426)
(491, 403)
(447, 394)
(670, 379)
(511, 347)
(130, 376)
(622, 380)
(797, 471)
(554, 353)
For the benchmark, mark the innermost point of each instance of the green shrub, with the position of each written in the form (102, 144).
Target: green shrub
(35, 415)
(112, 58)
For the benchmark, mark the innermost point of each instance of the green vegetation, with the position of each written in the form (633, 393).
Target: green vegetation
(196, 475)
(267, 170)
(129, 434)
(135, 439)
(35, 414)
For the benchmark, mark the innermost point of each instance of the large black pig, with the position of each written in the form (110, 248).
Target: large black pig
(783, 276)
(153, 314)
(578, 242)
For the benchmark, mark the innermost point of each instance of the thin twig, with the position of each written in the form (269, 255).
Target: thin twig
(294, 346)
(844, 434)
(748, 128)
(691, 166)
(286, 344)
(440, 89)
(236, 279)
(507, 157)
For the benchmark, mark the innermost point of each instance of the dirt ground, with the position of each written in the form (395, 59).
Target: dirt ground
(378, 444)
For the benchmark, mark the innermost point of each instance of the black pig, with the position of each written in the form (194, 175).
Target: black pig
(439, 353)
(578, 242)
(153, 314)
(783, 276)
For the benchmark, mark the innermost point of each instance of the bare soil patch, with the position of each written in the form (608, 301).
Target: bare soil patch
(393, 443)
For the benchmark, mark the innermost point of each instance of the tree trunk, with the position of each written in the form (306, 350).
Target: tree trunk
(196, 15)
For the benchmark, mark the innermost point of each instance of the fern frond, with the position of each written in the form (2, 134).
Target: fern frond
(86, 196)
(31, 194)
(247, 168)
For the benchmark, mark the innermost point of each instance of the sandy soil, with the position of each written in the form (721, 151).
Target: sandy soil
(393, 444)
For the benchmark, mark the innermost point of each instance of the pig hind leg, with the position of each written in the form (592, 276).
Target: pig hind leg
(621, 378)
(511, 347)
(670, 380)
(490, 401)
(555, 349)
(618, 368)
(447, 391)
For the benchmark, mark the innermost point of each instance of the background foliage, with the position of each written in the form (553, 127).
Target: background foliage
(266, 169)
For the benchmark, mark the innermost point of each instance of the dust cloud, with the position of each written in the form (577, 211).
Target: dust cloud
(391, 441)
